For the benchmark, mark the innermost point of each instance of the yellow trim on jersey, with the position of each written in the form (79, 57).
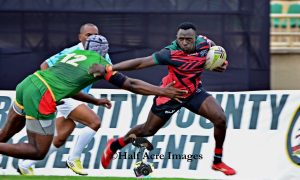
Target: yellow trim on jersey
(19, 105)
(30, 117)
(40, 77)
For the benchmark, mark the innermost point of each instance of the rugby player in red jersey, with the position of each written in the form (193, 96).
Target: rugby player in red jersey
(185, 59)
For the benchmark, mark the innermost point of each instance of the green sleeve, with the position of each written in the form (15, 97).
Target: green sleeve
(154, 58)
(162, 57)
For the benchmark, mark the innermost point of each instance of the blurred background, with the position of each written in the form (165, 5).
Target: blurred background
(261, 37)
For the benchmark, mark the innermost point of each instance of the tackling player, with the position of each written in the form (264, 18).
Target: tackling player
(185, 59)
(71, 110)
(37, 96)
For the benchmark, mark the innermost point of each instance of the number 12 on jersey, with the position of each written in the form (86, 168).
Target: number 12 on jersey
(73, 59)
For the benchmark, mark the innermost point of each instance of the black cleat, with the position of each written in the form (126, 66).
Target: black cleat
(141, 142)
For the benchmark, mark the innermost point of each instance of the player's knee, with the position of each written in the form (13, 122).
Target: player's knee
(95, 124)
(40, 155)
(149, 131)
(220, 120)
(58, 141)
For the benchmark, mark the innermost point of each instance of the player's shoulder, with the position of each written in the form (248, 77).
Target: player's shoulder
(78, 46)
(173, 49)
(173, 46)
(86, 52)
(93, 55)
(165, 52)
(201, 38)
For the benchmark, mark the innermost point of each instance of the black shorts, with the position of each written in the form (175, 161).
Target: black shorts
(192, 103)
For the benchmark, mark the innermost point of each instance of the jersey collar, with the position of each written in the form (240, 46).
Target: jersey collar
(80, 45)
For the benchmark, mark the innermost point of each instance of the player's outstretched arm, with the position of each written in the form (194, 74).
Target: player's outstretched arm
(132, 64)
(144, 88)
(135, 85)
(90, 99)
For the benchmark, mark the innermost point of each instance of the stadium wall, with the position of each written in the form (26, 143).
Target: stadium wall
(285, 71)
(262, 140)
(33, 31)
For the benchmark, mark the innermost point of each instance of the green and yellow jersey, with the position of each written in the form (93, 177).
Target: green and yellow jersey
(37, 95)
(70, 74)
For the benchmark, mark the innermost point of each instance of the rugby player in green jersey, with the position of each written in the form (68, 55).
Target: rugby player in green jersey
(70, 113)
(38, 94)
(185, 59)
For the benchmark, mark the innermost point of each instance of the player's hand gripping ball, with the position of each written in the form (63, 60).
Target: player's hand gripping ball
(215, 57)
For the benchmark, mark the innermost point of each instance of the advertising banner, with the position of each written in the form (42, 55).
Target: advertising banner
(262, 140)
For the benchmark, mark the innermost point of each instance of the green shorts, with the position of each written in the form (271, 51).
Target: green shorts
(34, 99)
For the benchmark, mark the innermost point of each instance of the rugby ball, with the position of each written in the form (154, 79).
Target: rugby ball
(215, 57)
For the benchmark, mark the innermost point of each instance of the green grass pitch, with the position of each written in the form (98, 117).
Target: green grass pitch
(5, 177)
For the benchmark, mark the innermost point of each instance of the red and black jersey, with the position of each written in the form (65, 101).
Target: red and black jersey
(185, 69)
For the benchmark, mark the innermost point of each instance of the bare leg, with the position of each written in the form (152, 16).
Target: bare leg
(149, 128)
(14, 124)
(86, 116)
(36, 148)
(64, 127)
(211, 110)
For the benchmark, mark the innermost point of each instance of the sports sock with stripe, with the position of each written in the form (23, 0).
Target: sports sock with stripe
(218, 155)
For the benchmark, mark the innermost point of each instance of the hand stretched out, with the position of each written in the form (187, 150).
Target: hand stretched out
(172, 92)
(103, 102)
